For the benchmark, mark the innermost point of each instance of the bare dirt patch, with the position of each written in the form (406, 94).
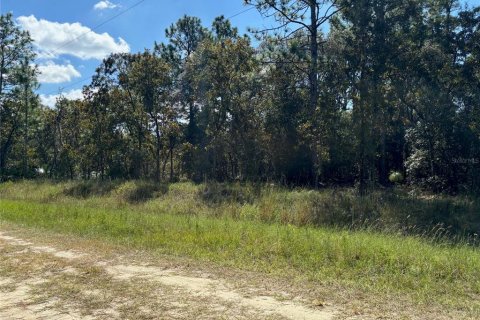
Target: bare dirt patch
(208, 288)
(59, 284)
(45, 275)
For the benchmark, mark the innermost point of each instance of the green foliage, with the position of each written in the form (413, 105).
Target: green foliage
(87, 189)
(141, 191)
(391, 87)
(17, 101)
(396, 177)
(221, 193)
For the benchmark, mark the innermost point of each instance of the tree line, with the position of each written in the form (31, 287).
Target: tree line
(336, 93)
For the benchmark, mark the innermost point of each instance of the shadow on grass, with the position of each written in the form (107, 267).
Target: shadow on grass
(394, 211)
(438, 217)
(432, 217)
(144, 191)
(87, 189)
(215, 193)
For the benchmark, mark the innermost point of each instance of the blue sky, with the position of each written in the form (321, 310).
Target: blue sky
(57, 21)
(65, 63)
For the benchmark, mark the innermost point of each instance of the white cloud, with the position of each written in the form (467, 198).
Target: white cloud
(50, 72)
(53, 39)
(102, 5)
(50, 100)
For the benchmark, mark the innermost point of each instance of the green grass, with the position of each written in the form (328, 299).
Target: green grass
(396, 211)
(256, 229)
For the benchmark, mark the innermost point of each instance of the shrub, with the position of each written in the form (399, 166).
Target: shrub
(396, 177)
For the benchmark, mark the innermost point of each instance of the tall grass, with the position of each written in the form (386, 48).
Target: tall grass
(267, 229)
(362, 259)
(394, 211)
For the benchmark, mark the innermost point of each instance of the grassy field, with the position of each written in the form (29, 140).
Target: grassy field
(269, 229)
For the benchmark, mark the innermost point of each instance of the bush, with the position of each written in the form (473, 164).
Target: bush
(141, 191)
(396, 177)
(86, 189)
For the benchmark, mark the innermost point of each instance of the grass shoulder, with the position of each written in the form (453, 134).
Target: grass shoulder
(234, 229)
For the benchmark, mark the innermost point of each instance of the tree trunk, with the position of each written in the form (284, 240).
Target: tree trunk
(158, 148)
(363, 163)
(137, 166)
(25, 142)
(2, 67)
(6, 146)
(364, 150)
(313, 72)
(172, 145)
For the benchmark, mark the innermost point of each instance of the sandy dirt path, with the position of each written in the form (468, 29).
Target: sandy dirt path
(39, 281)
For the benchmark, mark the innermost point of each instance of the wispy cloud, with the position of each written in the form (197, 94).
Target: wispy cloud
(103, 5)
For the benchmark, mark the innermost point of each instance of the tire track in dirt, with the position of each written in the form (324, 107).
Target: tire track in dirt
(194, 286)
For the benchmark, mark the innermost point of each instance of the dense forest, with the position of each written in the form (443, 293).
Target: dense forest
(361, 93)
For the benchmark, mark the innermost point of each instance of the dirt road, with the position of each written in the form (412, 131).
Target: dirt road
(47, 280)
